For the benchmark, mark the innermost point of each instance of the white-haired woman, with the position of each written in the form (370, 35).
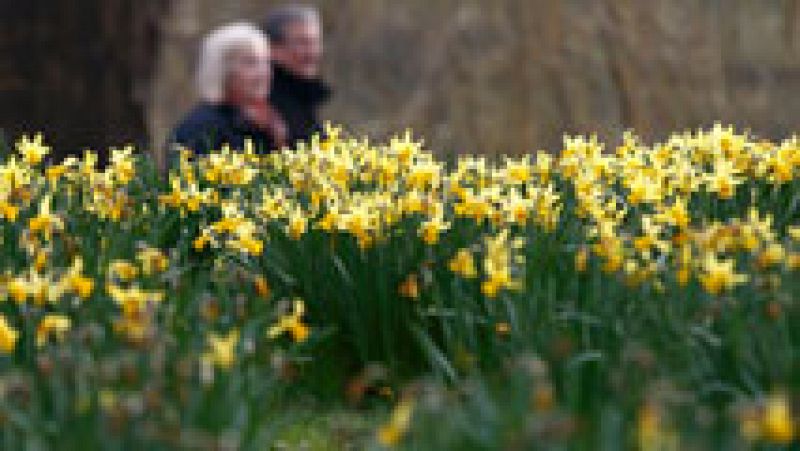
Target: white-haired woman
(233, 80)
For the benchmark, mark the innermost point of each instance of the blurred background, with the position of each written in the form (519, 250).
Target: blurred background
(489, 76)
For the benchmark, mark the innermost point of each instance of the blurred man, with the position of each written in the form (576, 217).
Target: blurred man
(297, 93)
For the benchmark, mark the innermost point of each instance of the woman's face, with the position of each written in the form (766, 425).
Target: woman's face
(250, 75)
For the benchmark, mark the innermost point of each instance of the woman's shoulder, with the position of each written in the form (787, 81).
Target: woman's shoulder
(204, 115)
(203, 128)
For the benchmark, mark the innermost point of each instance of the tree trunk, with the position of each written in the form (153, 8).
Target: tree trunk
(79, 74)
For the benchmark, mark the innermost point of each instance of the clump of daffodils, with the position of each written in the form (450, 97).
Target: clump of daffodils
(681, 216)
(49, 287)
(125, 286)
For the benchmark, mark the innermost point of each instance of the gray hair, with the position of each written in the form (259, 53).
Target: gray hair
(212, 67)
(277, 20)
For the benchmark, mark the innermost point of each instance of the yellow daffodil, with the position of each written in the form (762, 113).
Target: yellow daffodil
(292, 323)
(497, 265)
(8, 211)
(52, 325)
(718, 275)
(778, 425)
(8, 336)
(393, 431)
(676, 214)
(430, 230)
(298, 224)
(724, 179)
(794, 232)
(201, 242)
(18, 290)
(123, 270)
(772, 255)
(133, 300)
(463, 264)
(653, 434)
(222, 349)
(152, 261)
(45, 222)
(32, 151)
(122, 166)
(77, 282)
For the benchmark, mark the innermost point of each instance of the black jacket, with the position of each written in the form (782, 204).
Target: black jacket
(208, 126)
(297, 100)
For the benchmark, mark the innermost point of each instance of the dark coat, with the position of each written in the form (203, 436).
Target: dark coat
(208, 126)
(298, 100)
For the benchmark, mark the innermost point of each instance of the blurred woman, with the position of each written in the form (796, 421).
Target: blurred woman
(233, 81)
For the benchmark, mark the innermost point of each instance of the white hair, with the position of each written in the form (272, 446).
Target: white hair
(212, 67)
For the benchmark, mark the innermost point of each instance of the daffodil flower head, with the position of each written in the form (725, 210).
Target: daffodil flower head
(8, 336)
(222, 349)
(292, 323)
(52, 325)
(32, 151)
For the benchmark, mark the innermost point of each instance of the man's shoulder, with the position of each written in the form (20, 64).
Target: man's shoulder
(289, 89)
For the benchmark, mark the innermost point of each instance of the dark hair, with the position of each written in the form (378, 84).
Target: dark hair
(277, 20)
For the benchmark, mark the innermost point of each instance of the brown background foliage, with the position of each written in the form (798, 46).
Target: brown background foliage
(493, 76)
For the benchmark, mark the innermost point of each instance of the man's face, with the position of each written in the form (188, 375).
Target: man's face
(301, 49)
